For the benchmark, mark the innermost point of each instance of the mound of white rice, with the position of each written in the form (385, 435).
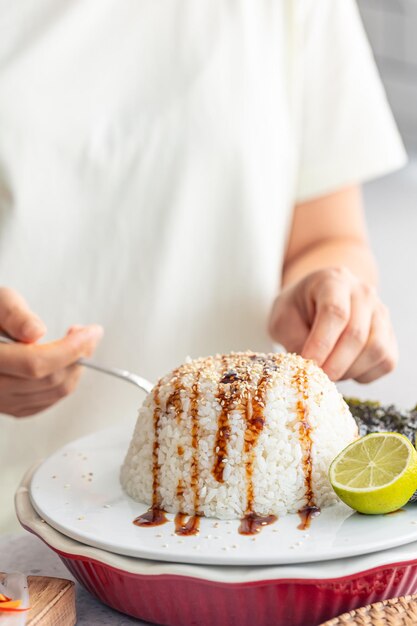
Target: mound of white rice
(228, 435)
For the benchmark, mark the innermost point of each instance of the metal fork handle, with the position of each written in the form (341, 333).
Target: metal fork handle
(129, 377)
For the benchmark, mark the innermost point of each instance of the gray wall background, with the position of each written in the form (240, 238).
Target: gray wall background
(391, 202)
(392, 30)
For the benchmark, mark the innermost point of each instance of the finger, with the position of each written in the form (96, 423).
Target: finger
(332, 313)
(52, 394)
(31, 386)
(39, 361)
(287, 327)
(17, 320)
(353, 339)
(380, 353)
(28, 411)
(386, 366)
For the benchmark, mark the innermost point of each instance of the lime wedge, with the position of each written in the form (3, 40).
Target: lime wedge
(376, 474)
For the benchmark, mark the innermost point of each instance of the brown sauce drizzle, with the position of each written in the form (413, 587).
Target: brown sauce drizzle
(310, 509)
(155, 516)
(152, 517)
(194, 401)
(175, 399)
(226, 396)
(306, 515)
(187, 527)
(255, 421)
(253, 523)
(180, 450)
(155, 451)
(180, 489)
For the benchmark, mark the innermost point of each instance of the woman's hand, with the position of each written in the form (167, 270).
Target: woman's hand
(332, 317)
(34, 377)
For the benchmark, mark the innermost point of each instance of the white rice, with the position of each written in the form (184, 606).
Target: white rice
(279, 455)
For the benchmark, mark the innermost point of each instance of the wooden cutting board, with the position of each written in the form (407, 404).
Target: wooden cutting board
(52, 601)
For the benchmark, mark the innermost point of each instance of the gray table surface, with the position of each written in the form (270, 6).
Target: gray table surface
(25, 553)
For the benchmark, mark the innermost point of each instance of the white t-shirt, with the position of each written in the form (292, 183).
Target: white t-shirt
(150, 156)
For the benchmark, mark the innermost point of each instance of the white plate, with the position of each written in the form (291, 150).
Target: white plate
(77, 491)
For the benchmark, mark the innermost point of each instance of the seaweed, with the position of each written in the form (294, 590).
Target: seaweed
(373, 417)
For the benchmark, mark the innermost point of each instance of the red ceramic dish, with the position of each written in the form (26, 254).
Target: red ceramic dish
(192, 595)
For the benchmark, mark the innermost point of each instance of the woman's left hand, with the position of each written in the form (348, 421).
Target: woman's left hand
(332, 317)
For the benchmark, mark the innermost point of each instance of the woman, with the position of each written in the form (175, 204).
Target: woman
(160, 162)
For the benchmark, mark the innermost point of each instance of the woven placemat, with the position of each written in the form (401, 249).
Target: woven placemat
(394, 612)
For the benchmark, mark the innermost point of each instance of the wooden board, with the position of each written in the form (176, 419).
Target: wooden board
(52, 601)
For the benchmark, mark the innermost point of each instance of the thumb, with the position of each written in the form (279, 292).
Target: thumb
(96, 333)
(17, 320)
(287, 326)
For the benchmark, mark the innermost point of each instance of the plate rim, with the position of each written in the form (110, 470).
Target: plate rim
(335, 571)
(117, 432)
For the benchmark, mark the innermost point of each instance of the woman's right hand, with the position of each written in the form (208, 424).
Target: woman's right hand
(33, 377)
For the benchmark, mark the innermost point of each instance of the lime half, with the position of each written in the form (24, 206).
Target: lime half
(376, 474)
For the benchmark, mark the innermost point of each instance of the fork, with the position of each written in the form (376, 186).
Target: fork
(130, 377)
